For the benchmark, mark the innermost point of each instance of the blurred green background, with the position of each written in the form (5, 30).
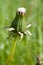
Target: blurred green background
(26, 51)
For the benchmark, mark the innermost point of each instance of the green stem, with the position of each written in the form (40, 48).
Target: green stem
(12, 52)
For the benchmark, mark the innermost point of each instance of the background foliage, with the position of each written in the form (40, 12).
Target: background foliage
(26, 51)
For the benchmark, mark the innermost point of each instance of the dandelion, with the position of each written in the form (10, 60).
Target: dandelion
(18, 25)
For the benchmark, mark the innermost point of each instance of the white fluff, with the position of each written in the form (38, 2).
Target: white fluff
(28, 32)
(21, 9)
(28, 26)
(11, 29)
(21, 34)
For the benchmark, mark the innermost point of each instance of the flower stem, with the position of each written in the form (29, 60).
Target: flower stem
(10, 57)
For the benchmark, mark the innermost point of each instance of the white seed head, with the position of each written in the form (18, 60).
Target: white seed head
(21, 9)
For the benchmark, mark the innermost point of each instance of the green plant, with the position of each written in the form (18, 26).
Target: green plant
(27, 50)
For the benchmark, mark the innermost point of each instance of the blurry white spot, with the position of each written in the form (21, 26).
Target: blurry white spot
(25, 32)
(28, 32)
(21, 9)
(11, 29)
(21, 34)
(28, 26)
(2, 46)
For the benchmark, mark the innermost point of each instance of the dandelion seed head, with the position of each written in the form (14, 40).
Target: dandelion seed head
(21, 9)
